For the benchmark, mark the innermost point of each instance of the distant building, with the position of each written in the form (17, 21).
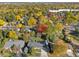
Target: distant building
(63, 10)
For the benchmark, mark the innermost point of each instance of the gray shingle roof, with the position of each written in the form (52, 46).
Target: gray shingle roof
(8, 44)
(35, 44)
(19, 43)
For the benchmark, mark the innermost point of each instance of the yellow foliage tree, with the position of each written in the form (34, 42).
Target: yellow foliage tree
(12, 34)
(59, 26)
(32, 21)
(18, 17)
(2, 22)
(19, 26)
(39, 13)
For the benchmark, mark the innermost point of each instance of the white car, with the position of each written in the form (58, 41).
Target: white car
(70, 53)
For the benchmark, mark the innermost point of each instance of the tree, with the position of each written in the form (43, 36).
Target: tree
(12, 34)
(26, 37)
(19, 25)
(43, 19)
(59, 26)
(35, 51)
(2, 22)
(70, 18)
(60, 48)
(32, 21)
(18, 17)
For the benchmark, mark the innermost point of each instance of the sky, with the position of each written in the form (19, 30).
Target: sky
(51, 0)
(39, 0)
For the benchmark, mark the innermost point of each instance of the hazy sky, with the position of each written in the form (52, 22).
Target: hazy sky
(51, 0)
(39, 0)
